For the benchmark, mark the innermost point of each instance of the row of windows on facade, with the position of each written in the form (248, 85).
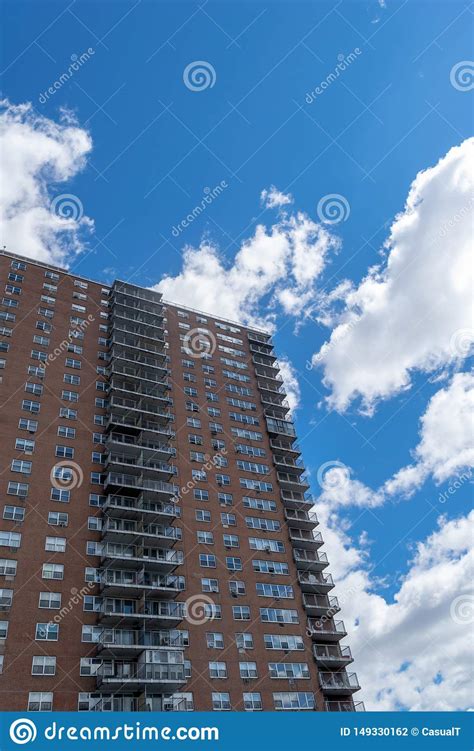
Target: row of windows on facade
(43, 701)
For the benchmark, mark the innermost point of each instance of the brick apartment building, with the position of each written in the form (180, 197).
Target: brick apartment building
(158, 546)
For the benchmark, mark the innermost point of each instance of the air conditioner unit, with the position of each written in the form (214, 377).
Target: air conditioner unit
(62, 524)
(233, 594)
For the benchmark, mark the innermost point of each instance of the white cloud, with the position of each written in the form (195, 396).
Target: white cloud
(415, 651)
(290, 383)
(445, 448)
(414, 312)
(273, 198)
(37, 154)
(276, 266)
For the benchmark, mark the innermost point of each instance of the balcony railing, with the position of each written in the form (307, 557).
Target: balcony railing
(130, 640)
(305, 538)
(132, 446)
(134, 675)
(310, 582)
(327, 630)
(332, 655)
(300, 518)
(318, 604)
(140, 483)
(117, 529)
(309, 560)
(139, 422)
(138, 557)
(136, 463)
(113, 610)
(345, 706)
(132, 507)
(137, 582)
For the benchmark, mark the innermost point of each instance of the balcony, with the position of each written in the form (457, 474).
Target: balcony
(345, 706)
(138, 423)
(141, 405)
(138, 448)
(297, 501)
(140, 483)
(120, 641)
(152, 559)
(269, 374)
(339, 684)
(319, 583)
(326, 631)
(139, 329)
(137, 358)
(132, 676)
(131, 531)
(128, 507)
(301, 519)
(123, 312)
(305, 539)
(288, 447)
(332, 656)
(263, 351)
(121, 288)
(158, 378)
(290, 481)
(137, 344)
(140, 465)
(120, 385)
(156, 612)
(254, 336)
(308, 560)
(320, 605)
(291, 463)
(139, 583)
(281, 427)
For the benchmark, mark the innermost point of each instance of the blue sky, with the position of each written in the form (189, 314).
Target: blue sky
(156, 146)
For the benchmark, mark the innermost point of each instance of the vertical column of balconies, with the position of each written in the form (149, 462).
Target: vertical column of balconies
(140, 644)
(337, 685)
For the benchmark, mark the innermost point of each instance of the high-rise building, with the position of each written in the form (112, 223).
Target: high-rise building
(159, 550)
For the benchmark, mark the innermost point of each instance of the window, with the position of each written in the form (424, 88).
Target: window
(53, 571)
(193, 422)
(231, 541)
(259, 503)
(241, 612)
(289, 670)
(196, 456)
(71, 379)
(293, 700)
(18, 265)
(70, 362)
(228, 520)
(10, 539)
(233, 563)
(261, 543)
(221, 701)
(65, 452)
(6, 598)
(209, 585)
(52, 275)
(217, 670)
(3, 630)
(216, 427)
(30, 425)
(278, 615)
(91, 633)
(25, 444)
(258, 485)
(202, 515)
(14, 513)
(288, 643)
(58, 518)
(63, 496)
(215, 640)
(225, 499)
(248, 669)
(252, 701)
(207, 561)
(222, 479)
(205, 537)
(65, 432)
(250, 435)
(40, 701)
(199, 475)
(89, 665)
(20, 489)
(284, 591)
(47, 632)
(236, 588)
(69, 396)
(196, 440)
(55, 544)
(270, 567)
(8, 567)
(51, 600)
(269, 525)
(31, 406)
(19, 465)
(201, 495)
(36, 354)
(244, 641)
